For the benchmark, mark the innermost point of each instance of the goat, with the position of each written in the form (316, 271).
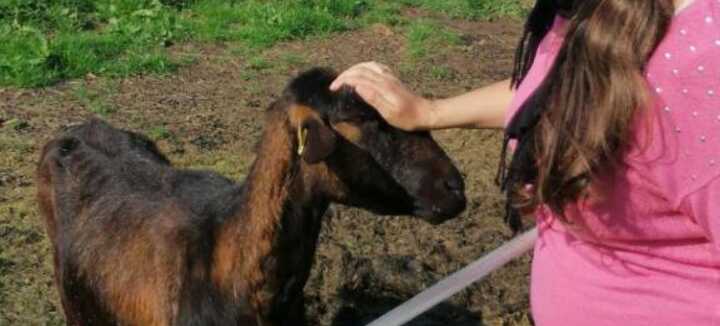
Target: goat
(138, 242)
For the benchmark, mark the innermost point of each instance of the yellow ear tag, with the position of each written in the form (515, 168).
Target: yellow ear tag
(302, 138)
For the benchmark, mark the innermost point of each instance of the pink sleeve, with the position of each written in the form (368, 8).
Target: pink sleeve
(704, 206)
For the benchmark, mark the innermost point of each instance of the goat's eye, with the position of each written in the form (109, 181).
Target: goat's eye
(372, 125)
(385, 127)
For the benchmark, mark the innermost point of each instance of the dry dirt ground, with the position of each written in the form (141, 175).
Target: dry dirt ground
(208, 114)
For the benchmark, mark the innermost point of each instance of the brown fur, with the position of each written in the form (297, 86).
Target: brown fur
(349, 131)
(271, 176)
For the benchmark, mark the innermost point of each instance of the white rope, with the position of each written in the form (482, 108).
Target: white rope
(458, 281)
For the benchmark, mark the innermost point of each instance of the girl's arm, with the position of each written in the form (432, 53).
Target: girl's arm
(482, 108)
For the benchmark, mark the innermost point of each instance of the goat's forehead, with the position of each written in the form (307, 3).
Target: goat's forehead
(353, 112)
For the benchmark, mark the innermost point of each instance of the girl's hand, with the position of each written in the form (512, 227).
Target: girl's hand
(377, 85)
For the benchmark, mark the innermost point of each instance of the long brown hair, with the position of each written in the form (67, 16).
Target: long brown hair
(577, 123)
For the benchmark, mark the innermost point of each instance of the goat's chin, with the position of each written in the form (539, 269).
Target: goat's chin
(432, 218)
(425, 215)
(438, 215)
(431, 212)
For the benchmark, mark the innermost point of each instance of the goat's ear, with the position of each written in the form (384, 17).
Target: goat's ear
(316, 141)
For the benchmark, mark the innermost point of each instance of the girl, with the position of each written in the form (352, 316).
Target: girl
(613, 115)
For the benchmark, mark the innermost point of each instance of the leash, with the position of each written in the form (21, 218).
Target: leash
(458, 281)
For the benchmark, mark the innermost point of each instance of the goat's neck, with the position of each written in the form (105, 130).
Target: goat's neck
(275, 227)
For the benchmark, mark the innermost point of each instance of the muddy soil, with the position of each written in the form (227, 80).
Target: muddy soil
(208, 115)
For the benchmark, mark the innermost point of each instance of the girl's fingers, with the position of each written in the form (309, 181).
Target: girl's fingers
(372, 94)
(359, 73)
(377, 67)
(355, 80)
(374, 98)
(372, 91)
(363, 73)
(377, 95)
(369, 70)
(375, 83)
(339, 81)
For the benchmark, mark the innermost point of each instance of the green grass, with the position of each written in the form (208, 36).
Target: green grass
(441, 72)
(159, 133)
(290, 59)
(96, 99)
(384, 12)
(43, 42)
(263, 23)
(259, 63)
(427, 39)
(472, 9)
(15, 125)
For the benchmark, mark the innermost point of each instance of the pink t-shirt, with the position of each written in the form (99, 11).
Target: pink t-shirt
(649, 252)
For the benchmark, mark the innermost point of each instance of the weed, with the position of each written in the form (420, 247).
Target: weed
(159, 133)
(472, 9)
(259, 63)
(385, 12)
(259, 24)
(16, 124)
(290, 59)
(44, 42)
(96, 100)
(441, 72)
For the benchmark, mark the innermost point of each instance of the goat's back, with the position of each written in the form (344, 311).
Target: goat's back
(130, 233)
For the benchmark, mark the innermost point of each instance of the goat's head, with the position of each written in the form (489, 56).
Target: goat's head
(366, 162)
